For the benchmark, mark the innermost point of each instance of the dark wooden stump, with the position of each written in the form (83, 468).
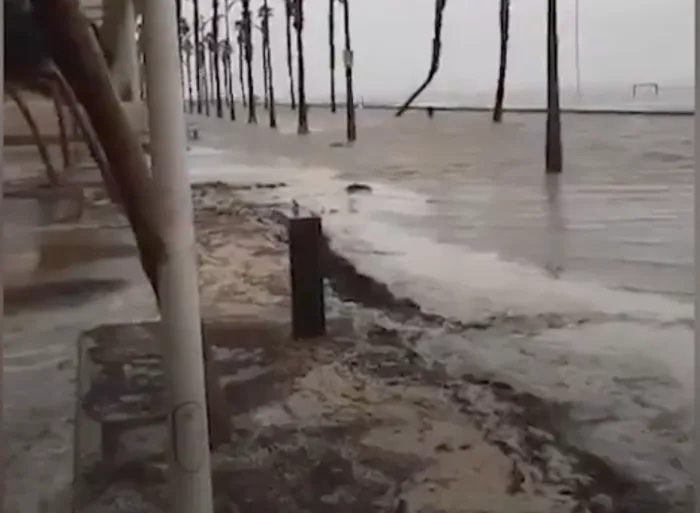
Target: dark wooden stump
(305, 269)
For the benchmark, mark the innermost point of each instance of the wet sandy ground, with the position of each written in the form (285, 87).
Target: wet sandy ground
(64, 273)
(362, 420)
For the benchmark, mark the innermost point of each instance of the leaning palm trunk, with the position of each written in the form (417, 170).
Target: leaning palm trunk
(86, 71)
(434, 59)
(52, 174)
(504, 24)
(331, 49)
(63, 94)
(553, 149)
(288, 33)
(303, 121)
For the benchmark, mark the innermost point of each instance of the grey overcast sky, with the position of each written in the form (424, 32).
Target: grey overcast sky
(622, 42)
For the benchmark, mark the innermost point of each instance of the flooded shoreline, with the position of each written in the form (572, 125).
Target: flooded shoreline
(569, 337)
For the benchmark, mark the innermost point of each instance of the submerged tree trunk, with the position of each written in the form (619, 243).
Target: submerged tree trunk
(248, 42)
(434, 59)
(303, 120)
(504, 25)
(78, 58)
(331, 49)
(349, 93)
(553, 149)
(290, 69)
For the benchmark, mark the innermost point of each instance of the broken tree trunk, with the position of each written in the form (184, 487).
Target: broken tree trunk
(78, 57)
(434, 57)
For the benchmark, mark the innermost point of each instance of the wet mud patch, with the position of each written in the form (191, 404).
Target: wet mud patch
(665, 157)
(320, 470)
(530, 430)
(62, 294)
(342, 423)
(258, 361)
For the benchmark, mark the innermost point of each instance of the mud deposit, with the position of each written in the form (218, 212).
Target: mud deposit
(359, 421)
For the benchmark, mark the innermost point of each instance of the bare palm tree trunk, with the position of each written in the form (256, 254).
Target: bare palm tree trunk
(215, 57)
(227, 96)
(553, 149)
(212, 78)
(190, 100)
(266, 73)
(331, 49)
(205, 82)
(303, 120)
(51, 172)
(434, 59)
(240, 73)
(288, 31)
(248, 41)
(231, 96)
(229, 67)
(504, 24)
(181, 53)
(268, 58)
(198, 64)
(349, 93)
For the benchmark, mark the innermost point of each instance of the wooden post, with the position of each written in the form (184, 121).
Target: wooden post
(308, 305)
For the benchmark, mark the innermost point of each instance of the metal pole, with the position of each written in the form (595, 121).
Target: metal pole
(577, 46)
(190, 478)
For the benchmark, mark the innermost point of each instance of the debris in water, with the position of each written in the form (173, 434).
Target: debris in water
(357, 187)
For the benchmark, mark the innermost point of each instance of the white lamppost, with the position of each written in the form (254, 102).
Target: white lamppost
(190, 473)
